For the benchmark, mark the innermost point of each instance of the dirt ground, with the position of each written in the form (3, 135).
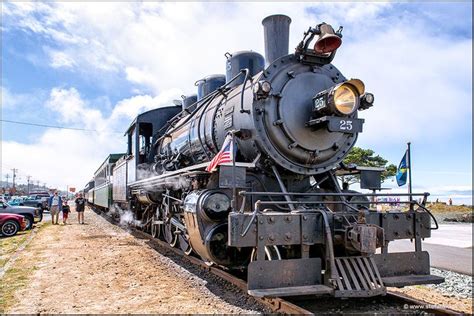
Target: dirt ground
(101, 268)
(435, 298)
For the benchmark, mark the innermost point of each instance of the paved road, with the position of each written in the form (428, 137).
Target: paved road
(450, 247)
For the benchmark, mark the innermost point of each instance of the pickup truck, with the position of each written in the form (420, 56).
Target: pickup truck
(31, 214)
(37, 200)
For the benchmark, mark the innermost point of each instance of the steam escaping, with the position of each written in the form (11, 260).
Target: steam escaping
(126, 216)
(156, 181)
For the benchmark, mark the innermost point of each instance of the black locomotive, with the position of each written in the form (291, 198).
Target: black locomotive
(273, 205)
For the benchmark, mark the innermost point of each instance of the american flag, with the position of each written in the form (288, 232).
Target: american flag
(225, 155)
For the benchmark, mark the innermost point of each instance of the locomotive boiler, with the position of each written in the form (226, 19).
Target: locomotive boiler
(243, 174)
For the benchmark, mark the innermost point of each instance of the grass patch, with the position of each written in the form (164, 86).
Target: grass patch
(17, 277)
(8, 246)
(13, 280)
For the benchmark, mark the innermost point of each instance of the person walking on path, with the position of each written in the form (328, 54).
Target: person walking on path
(80, 205)
(66, 211)
(55, 206)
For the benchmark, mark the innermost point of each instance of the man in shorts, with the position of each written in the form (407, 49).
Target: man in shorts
(80, 205)
(55, 206)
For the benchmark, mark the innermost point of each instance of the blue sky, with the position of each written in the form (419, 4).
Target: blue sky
(97, 65)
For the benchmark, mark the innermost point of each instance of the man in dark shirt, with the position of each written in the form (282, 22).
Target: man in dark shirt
(80, 205)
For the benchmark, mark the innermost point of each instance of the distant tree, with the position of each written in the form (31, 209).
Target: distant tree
(367, 158)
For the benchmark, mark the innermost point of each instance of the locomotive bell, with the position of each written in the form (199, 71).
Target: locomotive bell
(328, 41)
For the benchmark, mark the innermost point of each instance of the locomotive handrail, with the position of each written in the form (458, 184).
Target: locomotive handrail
(252, 219)
(306, 202)
(330, 247)
(243, 193)
(246, 71)
(429, 212)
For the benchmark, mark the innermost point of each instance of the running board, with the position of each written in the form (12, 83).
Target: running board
(406, 280)
(292, 291)
(410, 268)
(289, 277)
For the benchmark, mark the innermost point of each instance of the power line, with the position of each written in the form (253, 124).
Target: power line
(55, 126)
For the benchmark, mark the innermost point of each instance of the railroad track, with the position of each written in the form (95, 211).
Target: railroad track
(391, 303)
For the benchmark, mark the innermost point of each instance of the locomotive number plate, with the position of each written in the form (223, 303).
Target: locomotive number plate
(345, 125)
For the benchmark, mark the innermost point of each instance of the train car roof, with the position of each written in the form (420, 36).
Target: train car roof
(110, 159)
(147, 114)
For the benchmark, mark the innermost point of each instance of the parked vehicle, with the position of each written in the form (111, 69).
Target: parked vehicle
(39, 200)
(16, 202)
(10, 224)
(31, 214)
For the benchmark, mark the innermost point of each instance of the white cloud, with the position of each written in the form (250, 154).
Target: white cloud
(60, 59)
(73, 109)
(10, 100)
(129, 108)
(166, 45)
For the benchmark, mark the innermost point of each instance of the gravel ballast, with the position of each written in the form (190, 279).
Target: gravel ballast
(455, 284)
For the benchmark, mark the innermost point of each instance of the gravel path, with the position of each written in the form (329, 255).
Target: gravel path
(455, 285)
(101, 268)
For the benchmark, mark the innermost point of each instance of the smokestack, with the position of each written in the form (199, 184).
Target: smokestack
(276, 36)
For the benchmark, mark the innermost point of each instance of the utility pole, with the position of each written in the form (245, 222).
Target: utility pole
(44, 185)
(37, 184)
(28, 186)
(8, 177)
(14, 176)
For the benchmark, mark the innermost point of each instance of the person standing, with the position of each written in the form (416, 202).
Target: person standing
(55, 206)
(80, 205)
(66, 211)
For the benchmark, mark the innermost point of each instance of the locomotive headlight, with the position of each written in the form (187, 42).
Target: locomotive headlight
(342, 99)
(216, 206)
(262, 88)
(346, 99)
(366, 101)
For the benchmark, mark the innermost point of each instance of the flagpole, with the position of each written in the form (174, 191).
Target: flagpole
(234, 188)
(409, 172)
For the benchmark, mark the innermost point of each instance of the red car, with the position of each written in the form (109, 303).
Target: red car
(10, 224)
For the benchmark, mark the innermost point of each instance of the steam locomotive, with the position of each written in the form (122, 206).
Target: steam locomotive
(244, 175)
